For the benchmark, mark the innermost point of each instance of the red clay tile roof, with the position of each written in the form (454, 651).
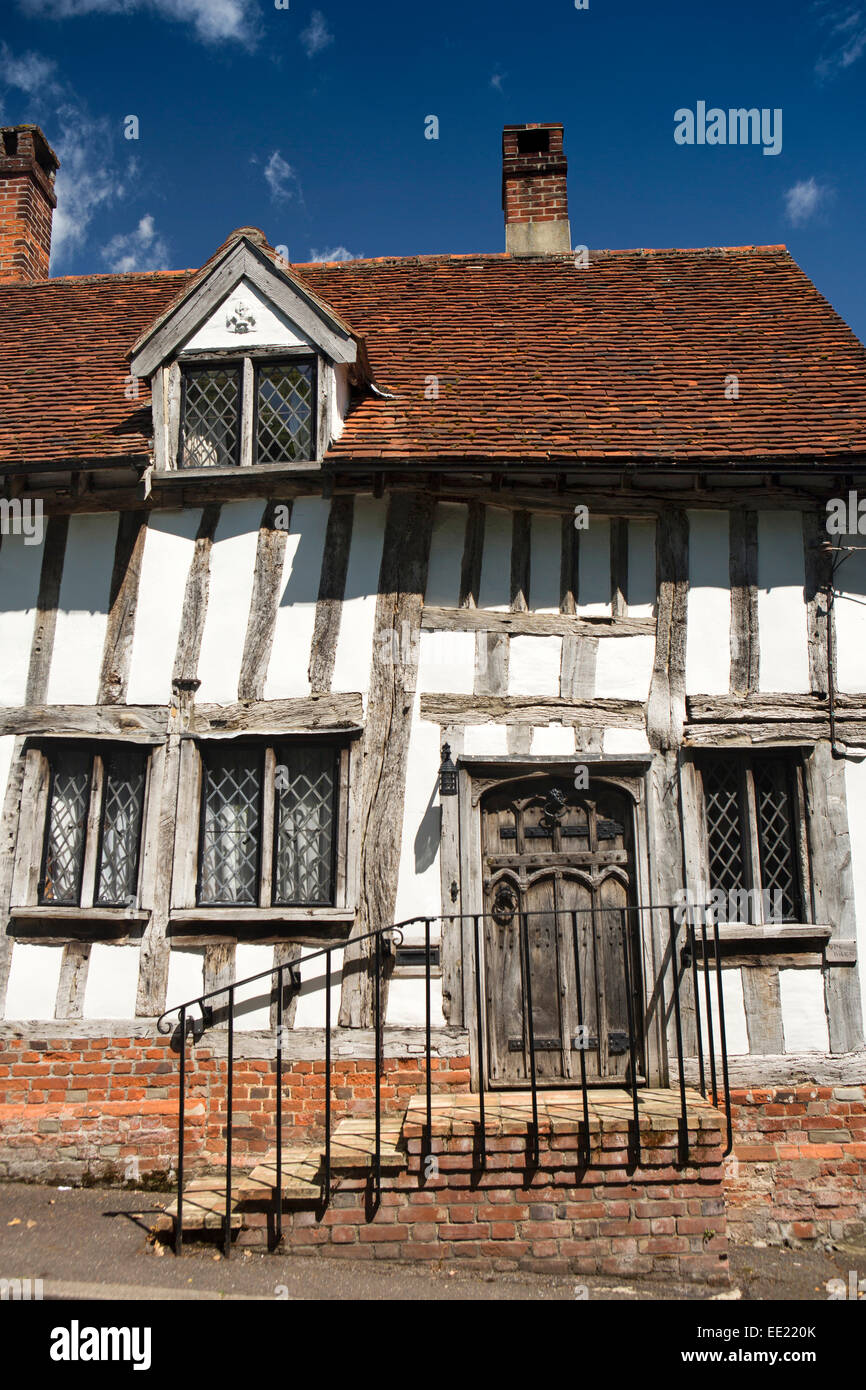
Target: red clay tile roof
(535, 359)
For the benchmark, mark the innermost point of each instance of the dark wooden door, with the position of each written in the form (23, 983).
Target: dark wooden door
(558, 870)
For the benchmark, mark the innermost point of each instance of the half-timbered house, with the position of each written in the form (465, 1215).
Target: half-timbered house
(488, 594)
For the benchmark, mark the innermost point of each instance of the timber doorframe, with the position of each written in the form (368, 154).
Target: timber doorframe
(478, 775)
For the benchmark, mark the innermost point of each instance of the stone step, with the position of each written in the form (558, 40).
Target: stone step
(354, 1140)
(204, 1206)
(301, 1177)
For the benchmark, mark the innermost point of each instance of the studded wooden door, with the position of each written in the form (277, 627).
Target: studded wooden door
(558, 874)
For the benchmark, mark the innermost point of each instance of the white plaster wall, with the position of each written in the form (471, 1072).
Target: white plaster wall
(446, 555)
(232, 567)
(708, 635)
(112, 981)
(289, 666)
(418, 884)
(804, 1017)
(169, 544)
(781, 605)
(82, 610)
(552, 740)
(534, 665)
(252, 1002)
(407, 1003)
(338, 395)
(272, 328)
(545, 564)
(20, 568)
(485, 740)
(593, 598)
(446, 662)
(34, 975)
(624, 667)
(736, 1033)
(855, 787)
(850, 612)
(625, 741)
(641, 594)
(355, 643)
(185, 975)
(495, 588)
(310, 1011)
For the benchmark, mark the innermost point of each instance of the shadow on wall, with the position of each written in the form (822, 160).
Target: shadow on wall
(428, 835)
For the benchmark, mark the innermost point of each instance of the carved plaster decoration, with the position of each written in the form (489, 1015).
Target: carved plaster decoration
(240, 318)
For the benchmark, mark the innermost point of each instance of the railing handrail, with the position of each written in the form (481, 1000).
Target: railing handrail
(399, 927)
(678, 915)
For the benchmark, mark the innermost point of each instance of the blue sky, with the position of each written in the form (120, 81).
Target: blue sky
(309, 122)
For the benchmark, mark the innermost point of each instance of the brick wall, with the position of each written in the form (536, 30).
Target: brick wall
(76, 1110)
(561, 1216)
(798, 1169)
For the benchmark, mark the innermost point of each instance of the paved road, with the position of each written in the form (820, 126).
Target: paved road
(92, 1243)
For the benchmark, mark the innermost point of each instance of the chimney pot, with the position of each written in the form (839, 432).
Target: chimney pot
(534, 190)
(27, 202)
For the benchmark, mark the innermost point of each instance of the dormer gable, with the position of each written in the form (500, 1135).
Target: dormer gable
(248, 367)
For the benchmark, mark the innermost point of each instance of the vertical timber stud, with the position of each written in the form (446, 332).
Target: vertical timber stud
(332, 588)
(666, 708)
(827, 812)
(42, 647)
(262, 619)
(743, 568)
(123, 599)
(451, 941)
(155, 951)
(385, 745)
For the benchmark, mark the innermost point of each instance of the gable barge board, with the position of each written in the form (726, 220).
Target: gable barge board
(202, 298)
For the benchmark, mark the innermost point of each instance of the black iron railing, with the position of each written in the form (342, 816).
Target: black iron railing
(682, 935)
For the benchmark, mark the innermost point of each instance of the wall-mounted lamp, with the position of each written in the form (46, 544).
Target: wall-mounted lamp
(447, 773)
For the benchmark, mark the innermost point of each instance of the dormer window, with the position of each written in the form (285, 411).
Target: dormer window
(279, 396)
(248, 368)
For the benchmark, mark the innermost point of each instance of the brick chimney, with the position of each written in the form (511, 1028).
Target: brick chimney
(534, 191)
(27, 202)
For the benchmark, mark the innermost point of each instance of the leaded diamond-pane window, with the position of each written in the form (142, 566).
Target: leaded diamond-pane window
(284, 412)
(66, 833)
(122, 807)
(211, 417)
(304, 824)
(751, 808)
(93, 825)
(269, 824)
(724, 830)
(231, 821)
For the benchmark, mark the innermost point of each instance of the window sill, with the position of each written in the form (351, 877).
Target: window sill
(301, 925)
(783, 931)
(62, 924)
(61, 913)
(177, 477)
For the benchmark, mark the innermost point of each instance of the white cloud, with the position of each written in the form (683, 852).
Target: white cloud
(317, 35)
(214, 21)
(281, 179)
(803, 199)
(846, 37)
(497, 80)
(141, 249)
(91, 179)
(28, 72)
(334, 253)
